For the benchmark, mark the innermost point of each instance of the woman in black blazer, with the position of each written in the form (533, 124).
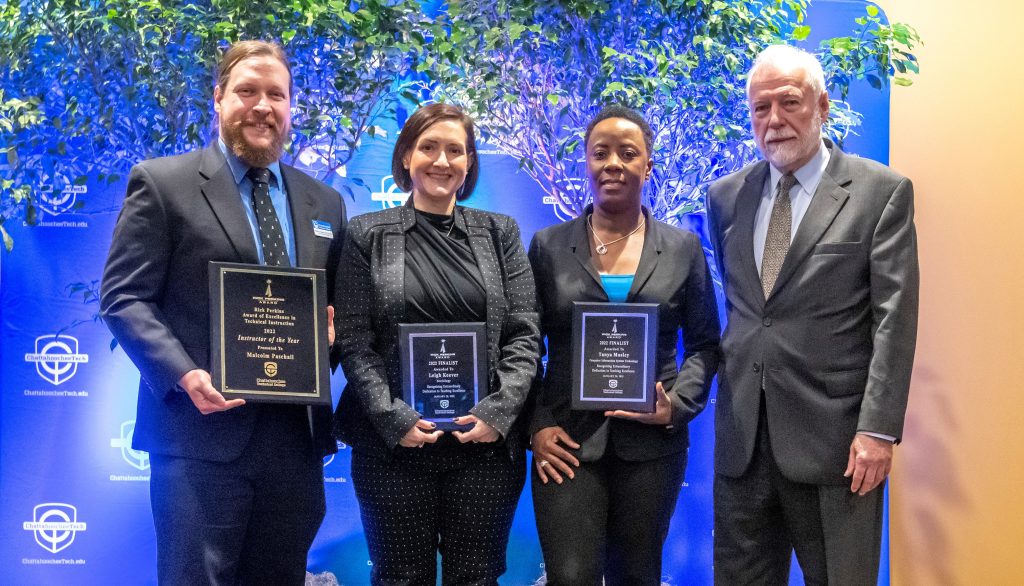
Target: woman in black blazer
(420, 489)
(605, 484)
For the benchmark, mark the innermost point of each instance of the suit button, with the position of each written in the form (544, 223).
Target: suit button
(757, 367)
(767, 321)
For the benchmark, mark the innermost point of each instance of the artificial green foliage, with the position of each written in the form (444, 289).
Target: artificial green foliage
(89, 88)
(533, 72)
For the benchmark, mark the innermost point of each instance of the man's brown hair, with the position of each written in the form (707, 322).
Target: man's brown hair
(245, 49)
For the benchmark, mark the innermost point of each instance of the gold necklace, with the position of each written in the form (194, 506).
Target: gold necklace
(602, 247)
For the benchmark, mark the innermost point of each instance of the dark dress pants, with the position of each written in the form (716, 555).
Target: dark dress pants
(248, 521)
(455, 499)
(609, 522)
(762, 517)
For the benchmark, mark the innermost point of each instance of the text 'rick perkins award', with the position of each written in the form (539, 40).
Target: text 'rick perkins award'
(444, 366)
(268, 336)
(614, 350)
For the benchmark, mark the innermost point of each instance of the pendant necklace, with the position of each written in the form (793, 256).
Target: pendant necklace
(602, 247)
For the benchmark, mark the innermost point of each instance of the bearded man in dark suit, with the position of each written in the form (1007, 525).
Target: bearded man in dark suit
(818, 256)
(236, 489)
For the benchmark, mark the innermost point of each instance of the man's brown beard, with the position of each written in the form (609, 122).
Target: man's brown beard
(256, 157)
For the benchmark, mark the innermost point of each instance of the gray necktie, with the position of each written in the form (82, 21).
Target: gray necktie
(275, 253)
(780, 229)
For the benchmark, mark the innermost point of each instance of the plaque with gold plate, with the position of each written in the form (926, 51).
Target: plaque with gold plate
(268, 339)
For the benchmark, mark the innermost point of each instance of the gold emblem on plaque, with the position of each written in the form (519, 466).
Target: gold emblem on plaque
(268, 293)
(270, 368)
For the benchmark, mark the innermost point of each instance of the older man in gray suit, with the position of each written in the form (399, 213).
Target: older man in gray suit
(818, 256)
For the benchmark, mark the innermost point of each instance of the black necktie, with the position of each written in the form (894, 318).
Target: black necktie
(275, 253)
(780, 232)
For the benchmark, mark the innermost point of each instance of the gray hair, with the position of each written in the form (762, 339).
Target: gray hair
(785, 57)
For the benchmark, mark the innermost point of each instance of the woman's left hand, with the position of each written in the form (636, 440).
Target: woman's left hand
(481, 432)
(662, 411)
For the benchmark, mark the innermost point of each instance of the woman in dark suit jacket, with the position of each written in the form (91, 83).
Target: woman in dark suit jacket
(605, 484)
(420, 489)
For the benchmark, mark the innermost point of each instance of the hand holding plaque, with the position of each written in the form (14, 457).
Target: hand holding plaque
(614, 351)
(444, 366)
(268, 338)
(662, 414)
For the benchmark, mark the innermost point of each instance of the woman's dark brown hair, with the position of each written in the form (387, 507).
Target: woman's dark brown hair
(416, 125)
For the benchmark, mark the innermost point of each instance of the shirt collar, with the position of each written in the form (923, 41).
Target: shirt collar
(239, 167)
(810, 174)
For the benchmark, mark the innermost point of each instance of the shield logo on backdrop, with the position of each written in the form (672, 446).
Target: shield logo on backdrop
(54, 525)
(55, 203)
(137, 458)
(390, 195)
(270, 368)
(56, 357)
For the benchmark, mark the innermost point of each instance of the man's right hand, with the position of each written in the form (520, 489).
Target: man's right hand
(550, 459)
(199, 386)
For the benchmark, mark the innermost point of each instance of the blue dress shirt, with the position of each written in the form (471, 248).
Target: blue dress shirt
(278, 196)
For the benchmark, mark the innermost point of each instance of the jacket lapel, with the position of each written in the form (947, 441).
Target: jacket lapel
(483, 243)
(742, 246)
(828, 199)
(221, 192)
(579, 245)
(303, 208)
(393, 267)
(649, 255)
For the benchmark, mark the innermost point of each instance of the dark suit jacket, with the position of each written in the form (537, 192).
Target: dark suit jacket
(179, 214)
(835, 339)
(371, 414)
(672, 273)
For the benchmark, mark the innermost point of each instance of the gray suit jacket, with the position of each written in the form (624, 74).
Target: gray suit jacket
(672, 273)
(834, 341)
(371, 415)
(179, 214)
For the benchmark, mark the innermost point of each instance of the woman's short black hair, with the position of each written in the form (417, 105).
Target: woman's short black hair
(416, 125)
(626, 113)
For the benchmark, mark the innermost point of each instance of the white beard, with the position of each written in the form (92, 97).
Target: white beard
(784, 154)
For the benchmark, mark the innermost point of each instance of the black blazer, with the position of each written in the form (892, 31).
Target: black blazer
(371, 414)
(672, 273)
(179, 214)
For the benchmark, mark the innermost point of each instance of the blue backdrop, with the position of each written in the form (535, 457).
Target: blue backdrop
(75, 496)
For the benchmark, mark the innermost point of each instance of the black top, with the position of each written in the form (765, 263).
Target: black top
(370, 304)
(443, 284)
(442, 280)
(672, 273)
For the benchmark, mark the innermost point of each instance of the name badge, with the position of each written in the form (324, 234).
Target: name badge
(322, 229)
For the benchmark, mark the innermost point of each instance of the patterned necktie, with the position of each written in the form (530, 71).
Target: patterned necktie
(271, 237)
(780, 229)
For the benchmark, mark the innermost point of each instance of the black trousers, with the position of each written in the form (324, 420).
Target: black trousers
(762, 517)
(249, 521)
(609, 522)
(453, 499)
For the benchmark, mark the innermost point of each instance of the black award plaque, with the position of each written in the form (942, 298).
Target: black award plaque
(268, 339)
(444, 367)
(614, 350)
